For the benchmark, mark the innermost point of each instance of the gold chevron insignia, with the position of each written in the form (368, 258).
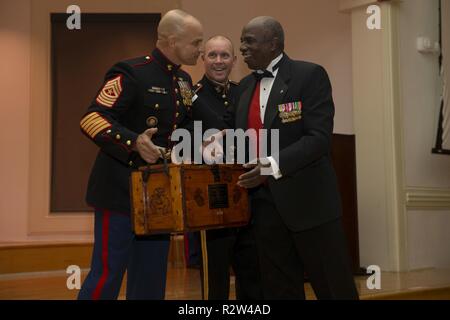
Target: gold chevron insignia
(110, 92)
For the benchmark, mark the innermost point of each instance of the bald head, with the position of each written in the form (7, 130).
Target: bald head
(262, 40)
(271, 27)
(174, 23)
(180, 36)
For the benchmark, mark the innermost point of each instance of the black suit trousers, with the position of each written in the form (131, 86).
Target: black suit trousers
(236, 248)
(286, 256)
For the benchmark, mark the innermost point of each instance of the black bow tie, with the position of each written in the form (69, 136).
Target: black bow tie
(266, 74)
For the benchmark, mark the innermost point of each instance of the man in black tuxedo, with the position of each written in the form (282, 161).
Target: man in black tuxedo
(296, 211)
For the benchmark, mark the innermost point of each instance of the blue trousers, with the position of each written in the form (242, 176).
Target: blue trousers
(117, 250)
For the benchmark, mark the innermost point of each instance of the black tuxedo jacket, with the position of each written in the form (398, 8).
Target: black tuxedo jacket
(307, 194)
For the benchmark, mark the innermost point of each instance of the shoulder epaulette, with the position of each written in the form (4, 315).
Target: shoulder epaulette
(197, 87)
(141, 61)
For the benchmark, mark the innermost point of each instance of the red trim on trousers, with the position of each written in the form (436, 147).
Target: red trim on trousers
(105, 271)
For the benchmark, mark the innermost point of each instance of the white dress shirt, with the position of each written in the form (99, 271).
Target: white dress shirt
(264, 92)
(266, 86)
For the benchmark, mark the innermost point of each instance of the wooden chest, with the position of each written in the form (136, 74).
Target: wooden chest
(179, 198)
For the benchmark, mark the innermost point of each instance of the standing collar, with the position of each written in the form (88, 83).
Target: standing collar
(218, 87)
(167, 65)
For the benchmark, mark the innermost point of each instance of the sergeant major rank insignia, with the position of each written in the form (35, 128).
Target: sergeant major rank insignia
(186, 92)
(110, 92)
(289, 112)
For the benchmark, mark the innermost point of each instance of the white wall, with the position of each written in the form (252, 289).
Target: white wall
(421, 89)
(428, 230)
(428, 239)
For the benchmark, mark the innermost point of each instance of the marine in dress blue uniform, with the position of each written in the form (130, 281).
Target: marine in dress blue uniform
(138, 94)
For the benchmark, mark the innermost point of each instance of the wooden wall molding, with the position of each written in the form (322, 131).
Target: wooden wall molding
(39, 256)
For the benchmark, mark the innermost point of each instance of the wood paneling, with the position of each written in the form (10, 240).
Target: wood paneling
(23, 257)
(34, 257)
(80, 59)
(344, 161)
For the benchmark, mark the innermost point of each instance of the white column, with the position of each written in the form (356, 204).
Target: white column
(378, 129)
